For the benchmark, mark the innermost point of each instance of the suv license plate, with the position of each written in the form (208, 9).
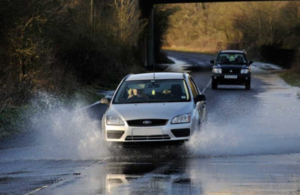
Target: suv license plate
(230, 76)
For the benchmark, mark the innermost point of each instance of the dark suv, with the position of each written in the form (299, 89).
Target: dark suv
(231, 68)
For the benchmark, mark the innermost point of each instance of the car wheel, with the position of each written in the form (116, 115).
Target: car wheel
(214, 85)
(248, 86)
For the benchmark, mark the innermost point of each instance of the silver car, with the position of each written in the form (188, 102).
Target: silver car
(154, 107)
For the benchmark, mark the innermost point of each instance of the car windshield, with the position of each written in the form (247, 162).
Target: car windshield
(149, 91)
(231, 58)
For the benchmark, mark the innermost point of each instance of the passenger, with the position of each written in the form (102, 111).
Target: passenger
(134, 93)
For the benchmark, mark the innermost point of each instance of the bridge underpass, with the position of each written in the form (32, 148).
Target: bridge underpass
(146, 7)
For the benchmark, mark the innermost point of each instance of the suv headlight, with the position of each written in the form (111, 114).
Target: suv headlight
(244, 71)
(217, 70)
(114, 120)
(184, 118)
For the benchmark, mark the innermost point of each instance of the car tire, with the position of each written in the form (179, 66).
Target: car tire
(248, 86)
(214, 85)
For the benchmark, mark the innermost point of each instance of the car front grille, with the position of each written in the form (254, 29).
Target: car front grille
(147, 137)
(147, 122)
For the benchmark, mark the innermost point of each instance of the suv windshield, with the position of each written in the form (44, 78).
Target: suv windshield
(231, 58)
(152, 91)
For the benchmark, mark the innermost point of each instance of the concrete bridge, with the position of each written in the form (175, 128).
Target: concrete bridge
(146, 7)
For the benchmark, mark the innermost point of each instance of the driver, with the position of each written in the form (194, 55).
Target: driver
(133, 93)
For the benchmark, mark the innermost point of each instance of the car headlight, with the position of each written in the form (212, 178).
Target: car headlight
(184, 118)
(217, 70)
(244, 71)
(114, 120)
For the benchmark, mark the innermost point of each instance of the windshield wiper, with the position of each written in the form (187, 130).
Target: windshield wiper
(177, 100)
(135, 102)
(153, 101)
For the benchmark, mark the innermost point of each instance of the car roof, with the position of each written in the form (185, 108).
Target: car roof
(158, 75)
(232, 51)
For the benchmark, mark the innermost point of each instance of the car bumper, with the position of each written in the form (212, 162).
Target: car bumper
(167, 133)
(239, 80)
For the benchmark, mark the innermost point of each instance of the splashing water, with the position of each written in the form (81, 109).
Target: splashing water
(66, 133)
(270, 127)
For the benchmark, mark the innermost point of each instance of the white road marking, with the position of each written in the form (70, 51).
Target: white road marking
(36, 190)
(205, 88)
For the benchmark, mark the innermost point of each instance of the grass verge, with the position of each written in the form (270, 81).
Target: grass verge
(292, 77)
(11, 121)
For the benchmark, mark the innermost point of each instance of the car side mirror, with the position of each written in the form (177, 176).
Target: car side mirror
(250, 62)
(199, 98)
(105, 101)
(212, 61)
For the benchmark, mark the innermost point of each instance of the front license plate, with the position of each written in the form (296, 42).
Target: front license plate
(230, 76)
(146, 131)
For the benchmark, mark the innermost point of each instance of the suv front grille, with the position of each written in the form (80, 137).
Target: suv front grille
(231, 70)
(147, 122)
(148, 137)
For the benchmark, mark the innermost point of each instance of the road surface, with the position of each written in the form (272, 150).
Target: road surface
(250, 144)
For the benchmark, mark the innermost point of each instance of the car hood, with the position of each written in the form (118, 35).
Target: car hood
(149, 110)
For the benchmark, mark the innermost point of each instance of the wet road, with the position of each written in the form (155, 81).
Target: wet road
(249, 145)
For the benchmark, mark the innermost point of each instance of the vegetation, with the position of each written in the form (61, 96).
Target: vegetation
(53, 45)
(11, 121)
(60, 47)
(292, 77)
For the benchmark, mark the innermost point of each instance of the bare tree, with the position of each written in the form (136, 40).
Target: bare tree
(129, 23)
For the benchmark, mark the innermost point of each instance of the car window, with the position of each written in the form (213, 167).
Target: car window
(193, 87)
(231, 58)
(152, 91)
